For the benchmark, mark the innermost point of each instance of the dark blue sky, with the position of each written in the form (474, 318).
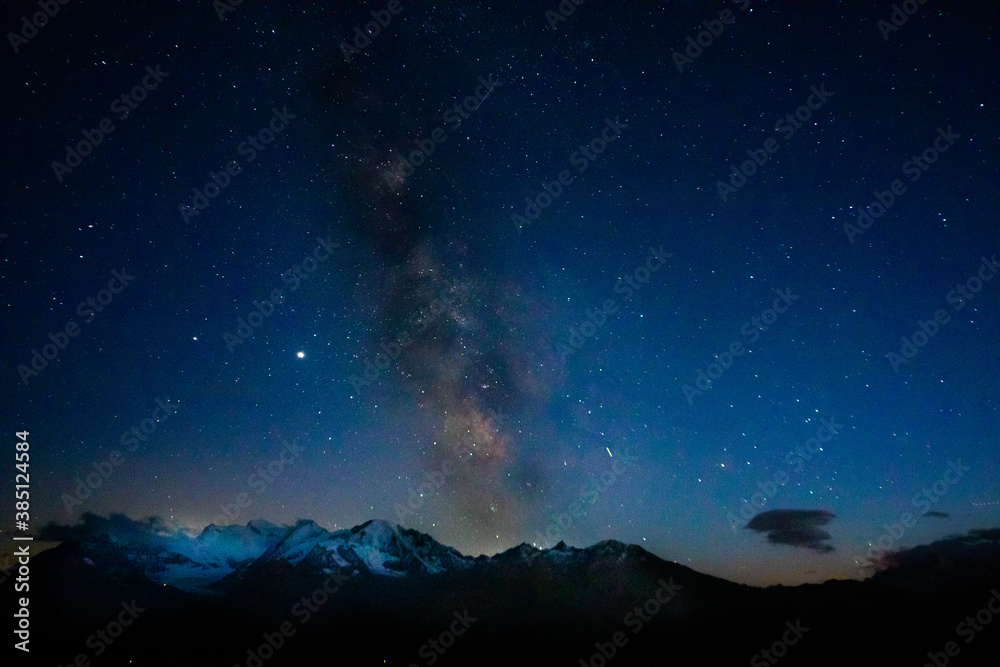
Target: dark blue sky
(539, 372)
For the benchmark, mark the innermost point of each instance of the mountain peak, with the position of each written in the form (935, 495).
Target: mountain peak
(262, 526)
(376, 527)
(376, 547)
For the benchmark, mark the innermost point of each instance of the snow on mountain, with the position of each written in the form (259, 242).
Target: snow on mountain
(233, 543)
(298, 542)
(377, 547)
(393, 550)
(215, 553)
(187, 563)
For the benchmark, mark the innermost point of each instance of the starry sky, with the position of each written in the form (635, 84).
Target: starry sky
(504, 274)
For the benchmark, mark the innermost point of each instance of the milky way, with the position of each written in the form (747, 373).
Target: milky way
(441, 342)
(442, 323)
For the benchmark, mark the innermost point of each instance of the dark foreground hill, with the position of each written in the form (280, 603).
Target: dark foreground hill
(378, 594)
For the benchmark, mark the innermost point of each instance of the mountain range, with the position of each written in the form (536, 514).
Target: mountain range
(379, 594)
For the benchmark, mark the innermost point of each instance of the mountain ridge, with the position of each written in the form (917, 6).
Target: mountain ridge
(389, 588)
(221, 555)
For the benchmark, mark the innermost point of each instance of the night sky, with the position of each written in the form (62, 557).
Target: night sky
(490, 253)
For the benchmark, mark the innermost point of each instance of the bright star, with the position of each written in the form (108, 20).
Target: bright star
(300, 355)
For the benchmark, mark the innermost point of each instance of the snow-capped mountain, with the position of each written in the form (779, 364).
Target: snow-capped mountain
(388, 589)
(231, 553)
(374, 547)
(175, 559)
(220, 557)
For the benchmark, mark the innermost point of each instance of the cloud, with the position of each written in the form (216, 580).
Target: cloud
(118, 526)
(952, 546)
(934, 514)
(797, 528)
(972, 559)
(982, 535)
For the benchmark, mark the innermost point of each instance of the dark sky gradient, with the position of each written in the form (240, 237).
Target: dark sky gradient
(483, 387)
